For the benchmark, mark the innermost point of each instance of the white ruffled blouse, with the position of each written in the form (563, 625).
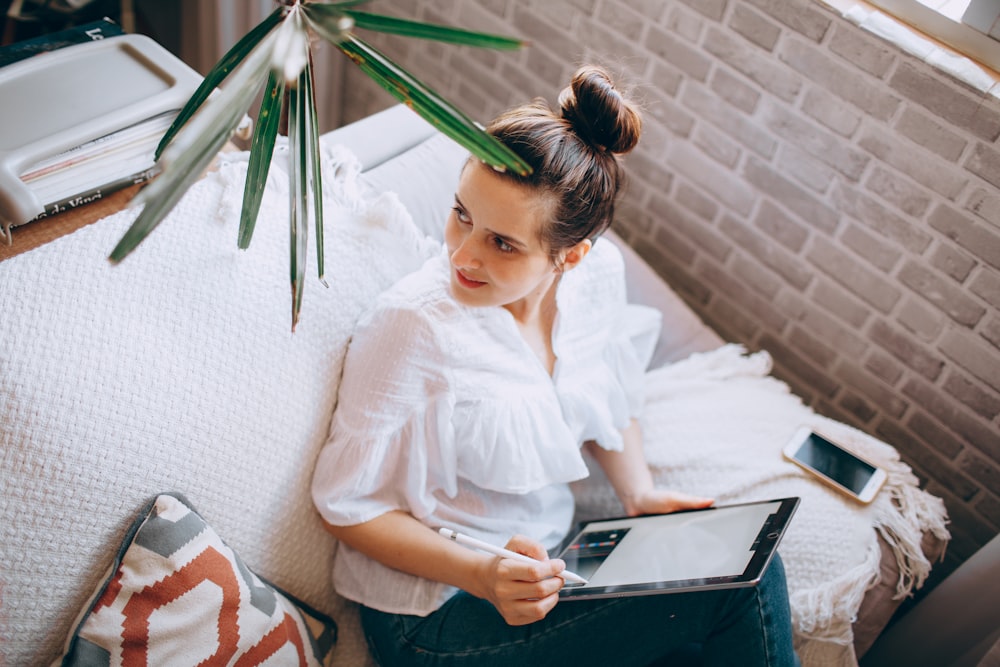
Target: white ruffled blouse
(444, 412)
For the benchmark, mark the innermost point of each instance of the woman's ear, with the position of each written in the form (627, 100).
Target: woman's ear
(575, 255)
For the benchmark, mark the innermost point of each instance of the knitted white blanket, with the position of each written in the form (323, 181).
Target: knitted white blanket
(715, 423)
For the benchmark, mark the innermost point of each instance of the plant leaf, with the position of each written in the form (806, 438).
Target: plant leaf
(298, 212)
(261, 152)
(315, 170)
(420, 30)
(218, 73)
(428, 104)
(291, 47)
(418, 96)
(207, 120)
(185, 159)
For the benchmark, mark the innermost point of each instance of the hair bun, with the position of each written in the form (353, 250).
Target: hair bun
(599, 113)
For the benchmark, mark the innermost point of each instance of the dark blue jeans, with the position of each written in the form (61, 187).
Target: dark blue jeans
(742, 626)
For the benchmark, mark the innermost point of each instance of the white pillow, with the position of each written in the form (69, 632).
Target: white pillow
(177, 371)
(425, 178)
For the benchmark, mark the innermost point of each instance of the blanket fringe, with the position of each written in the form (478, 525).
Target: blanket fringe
(901, 515)
(826, 613)
(739, 386)
(902, 521)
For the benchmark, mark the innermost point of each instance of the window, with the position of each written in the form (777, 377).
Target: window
(971, 27)
(952, 9)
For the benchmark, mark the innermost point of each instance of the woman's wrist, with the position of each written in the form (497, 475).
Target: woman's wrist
(633, 499)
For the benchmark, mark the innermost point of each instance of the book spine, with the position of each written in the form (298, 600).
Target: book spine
(94, 194)
(80, 34)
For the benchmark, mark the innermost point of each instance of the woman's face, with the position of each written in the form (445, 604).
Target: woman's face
(494, 240)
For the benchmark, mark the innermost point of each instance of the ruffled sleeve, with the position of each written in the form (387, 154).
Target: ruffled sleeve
(391, 422)
(629, 351)
(604, 344)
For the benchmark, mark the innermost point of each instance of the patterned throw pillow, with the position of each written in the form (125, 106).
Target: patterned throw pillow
(177, 595)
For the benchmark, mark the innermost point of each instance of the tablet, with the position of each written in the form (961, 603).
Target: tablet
(719, 547)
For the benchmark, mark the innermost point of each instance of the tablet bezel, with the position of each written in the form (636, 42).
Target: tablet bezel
(765, 546)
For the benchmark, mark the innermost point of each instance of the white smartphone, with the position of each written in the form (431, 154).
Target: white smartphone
(843, 470)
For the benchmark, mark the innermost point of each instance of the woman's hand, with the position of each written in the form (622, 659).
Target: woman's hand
(662, 501)
(633, 482)
(523, 592)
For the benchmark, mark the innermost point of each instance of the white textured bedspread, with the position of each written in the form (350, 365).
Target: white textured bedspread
(715, 424)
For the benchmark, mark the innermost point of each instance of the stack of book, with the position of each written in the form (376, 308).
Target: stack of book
(87, 32)
(94, 104)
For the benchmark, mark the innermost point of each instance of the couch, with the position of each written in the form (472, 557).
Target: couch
(176, 372)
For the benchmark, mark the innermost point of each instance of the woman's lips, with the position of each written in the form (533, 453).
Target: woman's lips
(465, 281)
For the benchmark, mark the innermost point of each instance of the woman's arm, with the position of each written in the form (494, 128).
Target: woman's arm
(633, 482)
(522, 592)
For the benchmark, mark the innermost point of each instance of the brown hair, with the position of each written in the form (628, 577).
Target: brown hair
(573, 153)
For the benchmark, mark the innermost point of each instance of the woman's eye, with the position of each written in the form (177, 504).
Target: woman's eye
(462, 216)
(502, 245)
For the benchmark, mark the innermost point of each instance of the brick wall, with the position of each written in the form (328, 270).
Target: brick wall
(809, 190)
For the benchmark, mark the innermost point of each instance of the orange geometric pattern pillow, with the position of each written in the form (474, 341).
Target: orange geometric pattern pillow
(177, 595)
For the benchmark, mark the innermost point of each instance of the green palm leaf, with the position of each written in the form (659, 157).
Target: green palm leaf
(408, 89)
(344, 4)
(218, 73)
(420, 30)
(298, 212)
(186, 158)
(315, 170)
(422, 99)
(261, 151)
(418, 96)
(281, 43)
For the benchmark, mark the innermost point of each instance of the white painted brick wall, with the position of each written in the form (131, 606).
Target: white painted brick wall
(807, 187)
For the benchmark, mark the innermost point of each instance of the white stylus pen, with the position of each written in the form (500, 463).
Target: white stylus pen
(505, 553)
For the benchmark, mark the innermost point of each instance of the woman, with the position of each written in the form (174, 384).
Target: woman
(467, 393)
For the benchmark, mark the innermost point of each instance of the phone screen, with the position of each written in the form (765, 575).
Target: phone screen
(850, 472)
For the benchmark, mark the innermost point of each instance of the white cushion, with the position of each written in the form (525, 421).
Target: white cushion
(425, 178)
(177, 371)
(382, 136)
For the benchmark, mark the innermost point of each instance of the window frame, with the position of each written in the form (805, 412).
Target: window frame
(963, 38)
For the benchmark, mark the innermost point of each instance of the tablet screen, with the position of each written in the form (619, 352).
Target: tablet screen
(713, 548)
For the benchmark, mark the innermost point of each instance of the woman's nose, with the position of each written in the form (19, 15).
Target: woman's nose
(464, 256)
